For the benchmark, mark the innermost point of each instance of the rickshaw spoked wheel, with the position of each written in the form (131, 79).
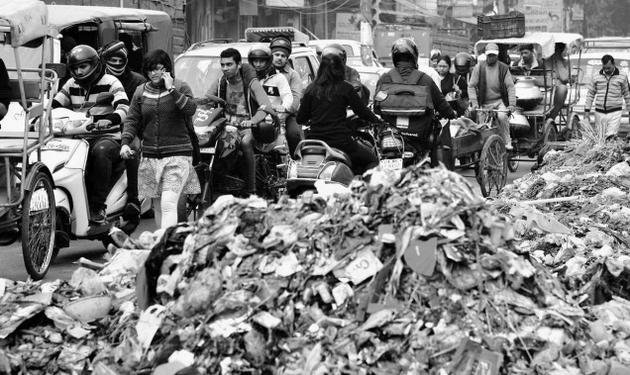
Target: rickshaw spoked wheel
(492, 167)
(38, 221)
(576, 126)
(550, 131)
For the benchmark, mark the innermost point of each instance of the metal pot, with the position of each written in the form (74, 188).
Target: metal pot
(528, 95)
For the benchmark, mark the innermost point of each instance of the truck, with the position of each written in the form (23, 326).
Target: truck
(426, 38)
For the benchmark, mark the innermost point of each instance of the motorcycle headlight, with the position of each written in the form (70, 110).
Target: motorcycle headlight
(390, 142)
(204, 139)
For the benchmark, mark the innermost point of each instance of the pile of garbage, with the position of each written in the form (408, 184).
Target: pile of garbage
(409, 273)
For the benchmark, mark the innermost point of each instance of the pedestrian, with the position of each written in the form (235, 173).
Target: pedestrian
(491, 87)
(558, 65)
(608, 89)
(451, 91)
(158, 114)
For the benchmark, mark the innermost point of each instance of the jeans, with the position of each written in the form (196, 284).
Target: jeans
(293, 133)
(103, 155)
(502, 117)
(247, 148)
(559, 96)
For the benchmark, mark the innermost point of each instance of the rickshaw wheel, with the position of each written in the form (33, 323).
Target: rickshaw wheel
(576, 126)
(550, 131)
(38, 221)
(492, 167)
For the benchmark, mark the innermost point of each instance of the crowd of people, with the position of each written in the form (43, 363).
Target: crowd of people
(157, 108)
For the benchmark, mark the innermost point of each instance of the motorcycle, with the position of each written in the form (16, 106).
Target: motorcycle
(394, 153)
(220, 170)
(316, 162)
(66, 156)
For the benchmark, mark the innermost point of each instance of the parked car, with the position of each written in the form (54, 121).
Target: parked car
(361, 57)
(199, 65)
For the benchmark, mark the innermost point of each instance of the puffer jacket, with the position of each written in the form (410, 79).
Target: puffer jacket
(608, 92)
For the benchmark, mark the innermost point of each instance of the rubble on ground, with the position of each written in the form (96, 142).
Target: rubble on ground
(411, 273)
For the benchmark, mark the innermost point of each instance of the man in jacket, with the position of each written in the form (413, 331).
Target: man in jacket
(247, 104)
(608, 89)
(281, 50)
(491, 87)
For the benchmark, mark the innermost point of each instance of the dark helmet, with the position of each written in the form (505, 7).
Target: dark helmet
(267, 130)
(281, 43)
(405, 47)
(336, 49)
(85, 54)
(463, 62)
(260, 54)
(114, 49)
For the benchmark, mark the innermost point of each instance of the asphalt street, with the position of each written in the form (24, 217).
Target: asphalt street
(12, 265)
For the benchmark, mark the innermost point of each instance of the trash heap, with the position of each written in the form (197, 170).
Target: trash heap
(411, 273)
(573, 216)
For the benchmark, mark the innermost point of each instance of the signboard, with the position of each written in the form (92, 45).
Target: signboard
(285, 3)
(577, 12)
(542, 15)
(348, 26)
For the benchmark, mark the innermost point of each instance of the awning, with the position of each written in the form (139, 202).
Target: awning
(25, 20)
(546, 41)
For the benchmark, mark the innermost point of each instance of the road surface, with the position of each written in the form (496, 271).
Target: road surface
(12, 266)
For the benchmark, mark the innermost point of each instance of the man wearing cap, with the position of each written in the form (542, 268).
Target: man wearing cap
(491, 87)
(280, 51)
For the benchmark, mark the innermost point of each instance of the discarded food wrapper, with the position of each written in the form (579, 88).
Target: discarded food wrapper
(149, 323)
(364, 266)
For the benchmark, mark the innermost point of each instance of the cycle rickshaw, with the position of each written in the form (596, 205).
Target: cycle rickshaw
(533, 127)
(27, 201)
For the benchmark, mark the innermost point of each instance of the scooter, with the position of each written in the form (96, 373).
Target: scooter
(317, 162)
(66, 156)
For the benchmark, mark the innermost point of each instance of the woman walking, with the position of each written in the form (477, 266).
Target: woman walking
(158, 114)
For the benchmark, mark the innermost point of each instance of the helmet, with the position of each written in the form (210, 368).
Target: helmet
(266, 131)
(114, 49)
(85, 54)
(435, 54)
(463, 62)
(405, 47)
(281, 43)
(336, 49)
(260, 54)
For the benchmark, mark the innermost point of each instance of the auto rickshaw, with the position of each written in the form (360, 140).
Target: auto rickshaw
(533, 128)
(27, 202)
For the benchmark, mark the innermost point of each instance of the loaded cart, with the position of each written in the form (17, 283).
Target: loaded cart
(27, 202)
(478, 146)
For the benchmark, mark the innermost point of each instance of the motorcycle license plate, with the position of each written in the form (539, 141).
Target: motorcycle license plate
(207, 150)
(392, 164)
(402, 122)
(55, 146)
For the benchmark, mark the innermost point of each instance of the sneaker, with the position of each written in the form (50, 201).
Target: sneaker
(98, 216)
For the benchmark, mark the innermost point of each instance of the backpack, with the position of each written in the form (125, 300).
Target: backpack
(406, 104)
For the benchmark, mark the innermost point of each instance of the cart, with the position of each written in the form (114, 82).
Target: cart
(532, 128)
(27, 202)
(484, 150)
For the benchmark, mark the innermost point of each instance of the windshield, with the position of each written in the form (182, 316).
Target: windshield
(590, 67)
(198, 72)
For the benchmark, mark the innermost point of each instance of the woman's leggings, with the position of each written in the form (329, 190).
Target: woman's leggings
(165, 209)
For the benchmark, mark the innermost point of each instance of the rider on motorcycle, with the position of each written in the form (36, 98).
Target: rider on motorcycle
(281, 50)
(114, 55)
(324, 105)
(275, 85)
(419, 129)
(88, 80)
(247, 104)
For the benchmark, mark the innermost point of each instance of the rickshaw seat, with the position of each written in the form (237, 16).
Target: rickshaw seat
(31, 89)
(13, 145)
